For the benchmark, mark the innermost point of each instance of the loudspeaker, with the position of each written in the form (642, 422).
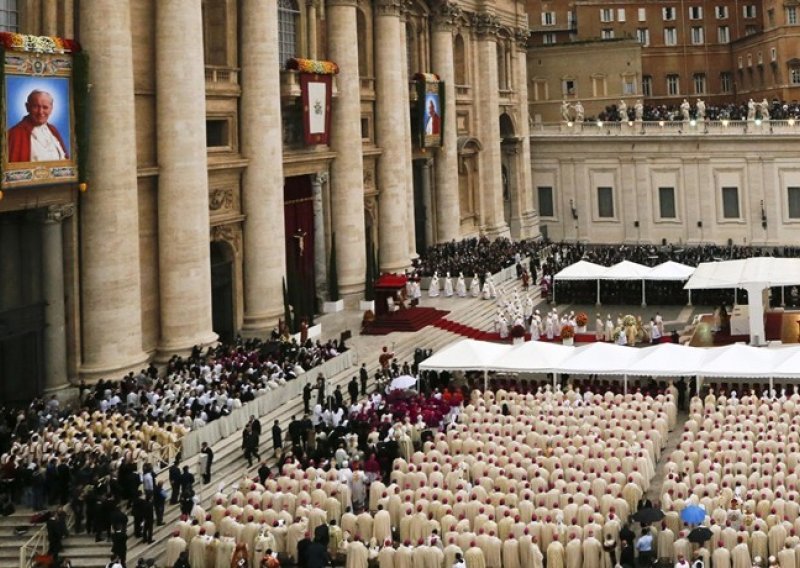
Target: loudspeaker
(700, 224)
(636, 224)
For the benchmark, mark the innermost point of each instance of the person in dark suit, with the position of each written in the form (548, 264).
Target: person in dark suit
(322, 534)
(119, 545)
(644, 503)
(296, 432)
(277, 436)
(187, 483)
(317, 556)
(148, 514)
(307, 398)
(352, 390)
(175, 483)
(205, 449)
(302, 550)
(363, 376)
(250, 445)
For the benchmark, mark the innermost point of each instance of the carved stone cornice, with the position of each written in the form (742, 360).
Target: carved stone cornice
(320, 178)
(485, 24)
(57, 213)
(345, 3)
(220, 199)
(228, 233)
(446, 15)
(389, 7)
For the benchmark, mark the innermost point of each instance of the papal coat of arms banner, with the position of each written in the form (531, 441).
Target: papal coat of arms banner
(316, 81)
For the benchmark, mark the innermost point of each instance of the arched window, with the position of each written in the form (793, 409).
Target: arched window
(9, 16)
(460, 60)
(288, 17)
(502, 80)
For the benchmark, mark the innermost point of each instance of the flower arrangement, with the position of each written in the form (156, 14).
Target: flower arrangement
(38, 44)
(567, 332)
(628, 321)
(316, 66)
(517, 331)
(581, 319)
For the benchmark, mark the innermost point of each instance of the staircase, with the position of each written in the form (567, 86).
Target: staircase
(229, 465)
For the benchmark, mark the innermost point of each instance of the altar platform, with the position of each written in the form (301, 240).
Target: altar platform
(781, 326)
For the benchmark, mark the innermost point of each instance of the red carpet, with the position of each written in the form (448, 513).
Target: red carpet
(773, 328)
(412, 319)
(474, 333)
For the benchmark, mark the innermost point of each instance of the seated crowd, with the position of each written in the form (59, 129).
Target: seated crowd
(510, 480)
(474, 256)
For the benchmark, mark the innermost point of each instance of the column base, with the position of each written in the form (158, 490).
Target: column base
(496, 231)
(396, 267)
(92, 374)
(260, 325)
(183, 347)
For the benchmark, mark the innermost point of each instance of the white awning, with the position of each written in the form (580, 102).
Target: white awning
(738, 361)
(627, 270)
(669, 360)
(535, 357)
(601, 359)
(465, 355)
(670, 270)
(762, 272)
(582, 270)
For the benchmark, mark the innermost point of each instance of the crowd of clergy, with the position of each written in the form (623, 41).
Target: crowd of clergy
(517, 480)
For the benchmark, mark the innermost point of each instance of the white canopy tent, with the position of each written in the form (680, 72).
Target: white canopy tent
(664, 360)
(624, 270)
(756, 275)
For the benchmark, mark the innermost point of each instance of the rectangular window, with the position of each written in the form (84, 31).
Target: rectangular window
(643, 36)
(668, 13)
(287, 33)
(670, 36)
(794, 202)
(549, 38)
(724, 34)
(607, 33)
(546, 208)
(217, 133)
(750, 30)
(642, 15)
(548, 18)
(725, 82)
(673, 85)
(771, 17)
(666, 202)
(647, 86)
(568, 86)
(695, 12)
(791, 15)
(9, 16)
(773, 54)
(749, 10)
(629, 85)
(620, 14)
(606, 14)
(699, 80)
(571, 19)
(721, 12)
(698, 37)
(794, 74)
(605, 202)
(730, 202)
(760, 58)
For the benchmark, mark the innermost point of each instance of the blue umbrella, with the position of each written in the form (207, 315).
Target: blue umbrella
(693, 515)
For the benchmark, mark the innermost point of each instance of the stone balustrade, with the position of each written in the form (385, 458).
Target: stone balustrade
(790, 127)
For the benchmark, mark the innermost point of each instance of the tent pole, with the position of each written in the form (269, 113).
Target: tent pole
(625, 385)
(783, 295)
(555, 381)
(771, 388)
(736, 296)
(598, 291)
(554, 290)
(485, 380)
(690, 297)
(697, 382)
(644, 298)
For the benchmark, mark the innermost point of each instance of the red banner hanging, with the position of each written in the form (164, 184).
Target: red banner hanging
(316, 94)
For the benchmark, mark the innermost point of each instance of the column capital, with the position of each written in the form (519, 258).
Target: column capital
(485, 24)
(57, 213)
(319, 178)
(446, 15)
(521, 36)
(390, 7)
(343, 3)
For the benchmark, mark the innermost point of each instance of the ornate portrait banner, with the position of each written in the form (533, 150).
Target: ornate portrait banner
(430, 110)
(38, 111)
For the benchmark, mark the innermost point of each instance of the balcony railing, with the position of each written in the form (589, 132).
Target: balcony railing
(789, 127)
(223, 79)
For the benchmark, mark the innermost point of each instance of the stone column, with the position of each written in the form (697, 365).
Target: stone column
(49, 17)
(111, 330)
(55, 339)
(407, 145)
(448, 212)
(389, 127)
(320, 266)
(428, 199)
(10, 264)
(530, 218)
(347, 183)
(488, 110)
(262, 181)
(183, 227)
(312, 28)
